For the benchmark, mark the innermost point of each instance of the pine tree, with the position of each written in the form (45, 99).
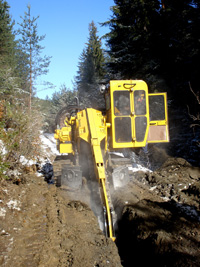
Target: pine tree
(179, 44)
(131, 41)
(29, 44)
(7, 43)
(8, 59)
(91, 69)
(156, 41)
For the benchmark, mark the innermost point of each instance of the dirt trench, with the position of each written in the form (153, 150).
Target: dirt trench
(158, 222)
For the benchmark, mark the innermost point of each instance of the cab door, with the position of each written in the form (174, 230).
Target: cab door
(158, 118)
(129, 113)
(140, 115)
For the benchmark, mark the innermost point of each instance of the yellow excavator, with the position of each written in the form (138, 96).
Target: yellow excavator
(131, 119)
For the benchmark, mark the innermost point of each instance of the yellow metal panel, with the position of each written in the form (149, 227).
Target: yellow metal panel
(159, 129)
(129, 86)
(66, 148)
(63, 134)
(82, 126)
(96, 124)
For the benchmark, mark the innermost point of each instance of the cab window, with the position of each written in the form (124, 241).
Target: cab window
(122, 103)
(140, 102)
(156, 107)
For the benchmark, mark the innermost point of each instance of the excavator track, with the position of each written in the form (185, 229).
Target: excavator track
(66, 174)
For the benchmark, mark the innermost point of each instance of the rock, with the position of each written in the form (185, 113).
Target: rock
(194, 173)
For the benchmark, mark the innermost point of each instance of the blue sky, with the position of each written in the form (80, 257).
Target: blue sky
(65, 23)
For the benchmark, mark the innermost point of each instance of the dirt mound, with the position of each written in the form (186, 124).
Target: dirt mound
(177, 180)
(162, 225)
(158, 233)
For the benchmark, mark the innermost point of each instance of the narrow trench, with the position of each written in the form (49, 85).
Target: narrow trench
(134, 251)
(139, 244)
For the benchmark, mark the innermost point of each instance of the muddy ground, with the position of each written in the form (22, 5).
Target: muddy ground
(158, 222)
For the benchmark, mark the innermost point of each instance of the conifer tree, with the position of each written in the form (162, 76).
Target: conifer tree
(131, 41)
(7, 43)
(7, 52)
(91, 69)
(29, 44)
(179, 24)
(154, 40)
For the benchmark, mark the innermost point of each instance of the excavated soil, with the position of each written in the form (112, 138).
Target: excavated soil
(158, 222)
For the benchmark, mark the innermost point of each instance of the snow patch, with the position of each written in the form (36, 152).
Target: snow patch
(153, 188)
(2, 148)
(117, 154)
(14, 173)
(5, 190)
(3, 232)
(2, 212)
(26, 162)
(38, 174)
(48, 141)
(13, 204)
(139, 168)
(166, 199)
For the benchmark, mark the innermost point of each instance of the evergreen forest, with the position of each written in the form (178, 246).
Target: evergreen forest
(155, 41)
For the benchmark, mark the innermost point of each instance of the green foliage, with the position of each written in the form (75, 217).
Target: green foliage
(29, 43)
(7, 43)
(19, 129)
(149, 40)
(131, 36)
(30, 51)
(91, 69)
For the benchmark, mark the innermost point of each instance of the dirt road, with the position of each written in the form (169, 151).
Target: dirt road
(158, 222)
(42, 227)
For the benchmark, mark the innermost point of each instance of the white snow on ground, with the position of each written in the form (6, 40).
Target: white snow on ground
(48, 141)
(2, 212)
(50, 152)
(26, 162)
(139, 168)
(2, 148)
(13, 204)
(48, 146)
(117, 153)
(153, 188)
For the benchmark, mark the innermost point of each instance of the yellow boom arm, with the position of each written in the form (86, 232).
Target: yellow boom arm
(97, 132)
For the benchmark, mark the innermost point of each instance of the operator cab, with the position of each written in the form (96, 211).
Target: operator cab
(136, 117)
